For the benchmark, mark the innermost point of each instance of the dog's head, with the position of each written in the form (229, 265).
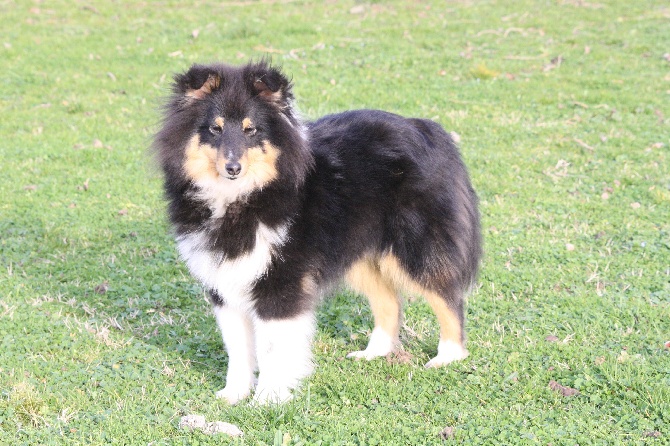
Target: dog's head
(233, 129)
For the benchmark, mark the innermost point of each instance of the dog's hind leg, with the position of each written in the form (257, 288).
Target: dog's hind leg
(238, 337)
(365, 278)
(447, 306)
(449, 314)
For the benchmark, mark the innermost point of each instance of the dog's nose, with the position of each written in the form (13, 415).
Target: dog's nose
(233, 168)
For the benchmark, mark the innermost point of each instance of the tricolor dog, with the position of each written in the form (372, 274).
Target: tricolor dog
(270, 212)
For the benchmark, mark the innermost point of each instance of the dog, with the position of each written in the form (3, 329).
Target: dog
(270, 212)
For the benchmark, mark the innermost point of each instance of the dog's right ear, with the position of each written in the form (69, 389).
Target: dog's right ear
(270, 84)
(197, 82)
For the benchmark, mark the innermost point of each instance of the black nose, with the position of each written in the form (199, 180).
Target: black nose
(233, 168)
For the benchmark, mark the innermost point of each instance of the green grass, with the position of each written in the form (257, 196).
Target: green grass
(105, 339)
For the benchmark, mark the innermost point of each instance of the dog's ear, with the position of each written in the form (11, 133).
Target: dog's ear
(197, 82)
(270, 85)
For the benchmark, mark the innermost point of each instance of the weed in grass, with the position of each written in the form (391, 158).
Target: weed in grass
(25, 406)
(482, 72)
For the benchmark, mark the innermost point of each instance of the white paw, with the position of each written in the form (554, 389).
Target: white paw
(233, 395)
(380, 344)
(447, 352)
(277, 395)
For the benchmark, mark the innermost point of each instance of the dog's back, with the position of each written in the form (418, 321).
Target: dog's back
(402, 184)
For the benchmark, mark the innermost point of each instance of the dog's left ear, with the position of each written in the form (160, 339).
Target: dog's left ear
(271, 85)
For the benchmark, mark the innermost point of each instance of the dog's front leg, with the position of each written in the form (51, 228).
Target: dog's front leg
(238, 336)
(284, 352)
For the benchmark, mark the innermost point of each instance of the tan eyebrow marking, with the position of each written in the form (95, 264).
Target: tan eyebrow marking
(218, 121)
(246, 123)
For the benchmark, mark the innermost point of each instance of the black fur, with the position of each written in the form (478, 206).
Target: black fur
(363, 183)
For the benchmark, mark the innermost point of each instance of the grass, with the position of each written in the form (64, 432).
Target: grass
(563, 110)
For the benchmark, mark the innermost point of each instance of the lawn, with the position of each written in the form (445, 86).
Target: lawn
(563, 111)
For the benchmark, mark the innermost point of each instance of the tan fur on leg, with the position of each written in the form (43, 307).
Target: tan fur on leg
(365, 277)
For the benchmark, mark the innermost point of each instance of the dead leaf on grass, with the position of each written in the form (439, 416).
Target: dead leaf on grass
(193, 422)
(92, 9)
(559, 171)
(551, 338)
(554, 63)
(84, 186)
(399, 357)
(564, 390)
(102, 288)
(447, 432)
(583, 144)
(652, 434)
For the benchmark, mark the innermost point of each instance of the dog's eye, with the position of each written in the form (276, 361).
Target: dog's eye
(249, 131)
(215, 129)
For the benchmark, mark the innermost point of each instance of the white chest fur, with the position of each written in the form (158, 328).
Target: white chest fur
(231, 278)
